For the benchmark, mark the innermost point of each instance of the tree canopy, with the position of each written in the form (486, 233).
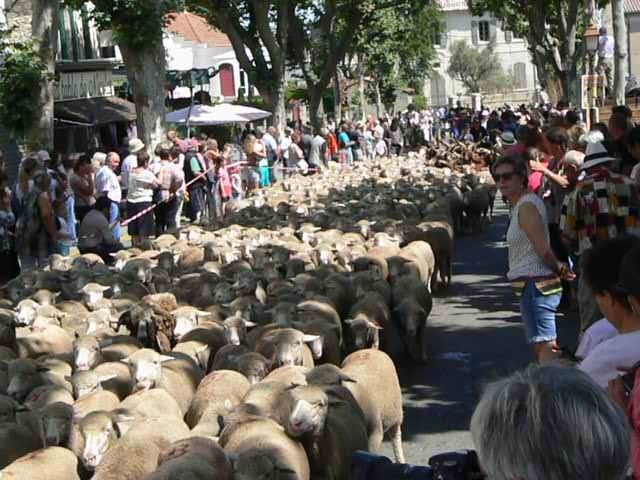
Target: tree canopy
(478, 70)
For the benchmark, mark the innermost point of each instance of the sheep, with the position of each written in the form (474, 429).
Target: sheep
(45, 395)
(439, 234)
(187, 318)
(95, 401)
(114, 377)
(367, 318)
(289, 375)
(326, 348)
(52, 463)
(225, 356)
(179, 377)
(42, 341)
(331, 425)
(8, 409)
(151, 404)
(196, 458)
(362, 373)
(55, 420)
(86, 353)
(286, 346)
(260, 448)
(252, 365)
(16, 441)
(416, 257)
(235, 329)
(217, 395)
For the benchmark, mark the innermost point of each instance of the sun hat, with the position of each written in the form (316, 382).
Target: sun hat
(508, 138)
(596, 154)
(135, 145)
(573, 157)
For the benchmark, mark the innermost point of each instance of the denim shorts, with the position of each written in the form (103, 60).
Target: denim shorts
(539, 313)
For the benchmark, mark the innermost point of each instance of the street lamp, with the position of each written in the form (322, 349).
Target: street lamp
(591, 36)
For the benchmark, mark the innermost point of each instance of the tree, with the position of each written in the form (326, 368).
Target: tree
(258, 31)
(137, 29)
(552, 29)
(620, 37)
(478, 70)
(392, 52)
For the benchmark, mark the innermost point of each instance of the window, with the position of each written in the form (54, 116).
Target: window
(483, 31)
(520, 75)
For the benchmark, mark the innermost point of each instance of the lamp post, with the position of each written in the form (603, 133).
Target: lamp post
(591, 36)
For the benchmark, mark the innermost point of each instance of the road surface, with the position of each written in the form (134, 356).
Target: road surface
(476, 337)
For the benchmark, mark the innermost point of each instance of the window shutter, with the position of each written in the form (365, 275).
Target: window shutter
(474, 32)
(443, 39)
(508, 36)
(493, 28)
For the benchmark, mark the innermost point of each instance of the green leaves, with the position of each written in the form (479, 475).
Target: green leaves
(21, 70)
(134, 22)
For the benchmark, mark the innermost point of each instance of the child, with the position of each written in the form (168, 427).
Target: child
(64, 233)
(381, 148)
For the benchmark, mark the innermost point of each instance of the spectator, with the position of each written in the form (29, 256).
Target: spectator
(296, 155)
(81, 182)
(534, 270)
(107, 183)
(171, 179)
(36, 232)
(8, 258)
(345, 143)
(633, 147)
(28, 166)
(193, 169)
(619, 127)
(269, 140)
(550, 423)
(605, 58)
(630, 401)
(318, 150)
(601, 269)
(139, 198)
(65, 237)
(602, 206)
(130, 162)
(395, 137)
(95, 234)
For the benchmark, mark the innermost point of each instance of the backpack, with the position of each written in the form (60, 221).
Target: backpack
(189, 174)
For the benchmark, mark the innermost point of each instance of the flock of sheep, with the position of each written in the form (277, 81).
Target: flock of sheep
(265, 349)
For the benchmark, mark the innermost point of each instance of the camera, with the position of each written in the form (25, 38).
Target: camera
(458, 465)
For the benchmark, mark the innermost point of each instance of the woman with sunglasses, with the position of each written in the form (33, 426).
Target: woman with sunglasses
(534, 270)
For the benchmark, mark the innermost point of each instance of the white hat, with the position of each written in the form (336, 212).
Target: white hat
(135, 145)
(43, 156)
(595, 155)
(573, 157)
(508, 138)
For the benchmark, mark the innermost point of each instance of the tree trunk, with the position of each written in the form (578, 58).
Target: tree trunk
(44, 27)
(337, 97)
(362, 97)
(379, 106)
(620, 38)
(315, 107)
(146, 75)
(278, 104)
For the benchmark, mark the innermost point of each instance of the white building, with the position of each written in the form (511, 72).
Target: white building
(460, 24)
(191, 43)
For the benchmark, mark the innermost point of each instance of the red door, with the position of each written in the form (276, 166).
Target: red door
(227, 82)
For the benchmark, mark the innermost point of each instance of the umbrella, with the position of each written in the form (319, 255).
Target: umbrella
(216, 115)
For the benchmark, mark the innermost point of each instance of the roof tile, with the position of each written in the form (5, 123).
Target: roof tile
(447, 5)
(195, 28)
(631, 6)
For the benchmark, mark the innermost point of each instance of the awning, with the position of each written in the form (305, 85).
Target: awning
(95, 111)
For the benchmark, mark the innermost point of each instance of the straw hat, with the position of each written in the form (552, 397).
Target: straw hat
(596, 154)
(135, 145)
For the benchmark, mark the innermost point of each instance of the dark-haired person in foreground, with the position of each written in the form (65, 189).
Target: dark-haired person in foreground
(622, 350)
(95, 233)
(550, 423)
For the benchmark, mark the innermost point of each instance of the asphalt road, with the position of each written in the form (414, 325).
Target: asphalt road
(476, 337)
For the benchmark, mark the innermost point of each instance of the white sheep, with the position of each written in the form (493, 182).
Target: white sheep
(52, 463)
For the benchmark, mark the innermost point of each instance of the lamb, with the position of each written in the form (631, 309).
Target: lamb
(217, 395)
(252, 365)
(260, 448)
(53, 463)
(332, 427)
(178, 376)
(362, 373)
(286, 346)
(196, 458)
(235, 329)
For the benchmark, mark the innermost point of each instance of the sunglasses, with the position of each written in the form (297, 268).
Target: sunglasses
(503, 176)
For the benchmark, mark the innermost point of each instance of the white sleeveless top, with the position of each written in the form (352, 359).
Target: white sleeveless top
(523, 259)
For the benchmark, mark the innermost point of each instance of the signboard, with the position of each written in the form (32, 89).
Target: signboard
(80, 85)
(592, 89)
